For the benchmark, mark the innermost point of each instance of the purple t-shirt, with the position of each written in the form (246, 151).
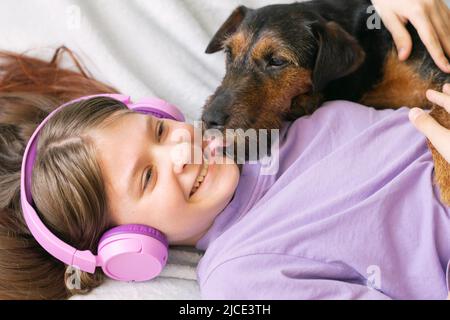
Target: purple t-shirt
(352, 213)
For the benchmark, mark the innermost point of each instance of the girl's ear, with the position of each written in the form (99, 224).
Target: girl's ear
(228, 28)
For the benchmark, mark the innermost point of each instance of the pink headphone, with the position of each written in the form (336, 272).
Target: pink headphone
(127, 252)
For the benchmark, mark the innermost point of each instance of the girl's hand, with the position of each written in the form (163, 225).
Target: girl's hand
(437, 134)
(431, 18)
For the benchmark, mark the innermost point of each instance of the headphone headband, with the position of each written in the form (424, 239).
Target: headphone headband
(86, 260)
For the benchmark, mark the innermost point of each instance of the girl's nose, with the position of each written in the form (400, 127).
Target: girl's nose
(180, 155)
(182, 146)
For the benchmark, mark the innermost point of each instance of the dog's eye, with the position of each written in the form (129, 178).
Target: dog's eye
(276, 62)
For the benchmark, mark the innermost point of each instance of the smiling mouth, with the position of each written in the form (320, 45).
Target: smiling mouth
(201, 177)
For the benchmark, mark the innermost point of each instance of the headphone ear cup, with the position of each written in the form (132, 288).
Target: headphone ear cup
(133, 253)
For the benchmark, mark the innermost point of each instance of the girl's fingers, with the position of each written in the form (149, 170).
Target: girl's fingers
(444, 12)
(439, 98)
(430, 39)
(400, 35)
(446, 88)
(439, 18)
(437, 134)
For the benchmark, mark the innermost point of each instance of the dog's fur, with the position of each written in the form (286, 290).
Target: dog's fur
(283, 61)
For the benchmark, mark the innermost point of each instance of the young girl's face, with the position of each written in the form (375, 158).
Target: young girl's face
(149, 181)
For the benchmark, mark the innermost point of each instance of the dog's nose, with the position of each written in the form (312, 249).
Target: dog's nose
(215, 118)
(216, 114)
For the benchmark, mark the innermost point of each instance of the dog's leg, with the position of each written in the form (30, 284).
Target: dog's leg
(441, 166)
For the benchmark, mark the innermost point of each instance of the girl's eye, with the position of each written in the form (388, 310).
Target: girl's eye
(160, 129)
(148, 176)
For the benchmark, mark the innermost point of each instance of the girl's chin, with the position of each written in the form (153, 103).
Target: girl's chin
(220, 182)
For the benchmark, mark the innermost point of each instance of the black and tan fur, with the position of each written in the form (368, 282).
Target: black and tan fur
(283, 61)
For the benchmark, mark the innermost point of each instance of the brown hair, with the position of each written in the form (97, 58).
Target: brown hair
(67, 185)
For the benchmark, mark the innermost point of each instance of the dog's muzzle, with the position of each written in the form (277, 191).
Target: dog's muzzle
(217, 112)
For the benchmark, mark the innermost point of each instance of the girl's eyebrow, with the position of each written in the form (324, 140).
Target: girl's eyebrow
(132, 183)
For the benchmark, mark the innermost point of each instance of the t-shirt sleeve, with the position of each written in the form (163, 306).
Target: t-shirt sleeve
(281, 277)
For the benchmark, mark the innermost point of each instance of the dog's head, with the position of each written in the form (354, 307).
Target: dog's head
(275, 55)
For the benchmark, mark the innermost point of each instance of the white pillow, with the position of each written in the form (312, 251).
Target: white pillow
(178, 281)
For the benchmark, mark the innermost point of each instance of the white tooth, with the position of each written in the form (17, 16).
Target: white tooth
(200, 177)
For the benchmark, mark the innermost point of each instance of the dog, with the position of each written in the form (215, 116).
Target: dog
(283, 61)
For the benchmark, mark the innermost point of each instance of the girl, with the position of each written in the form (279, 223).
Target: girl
(72, 181)
(351, 212)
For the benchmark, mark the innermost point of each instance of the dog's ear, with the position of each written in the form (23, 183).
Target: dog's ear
(339, 54)
(228, 28)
